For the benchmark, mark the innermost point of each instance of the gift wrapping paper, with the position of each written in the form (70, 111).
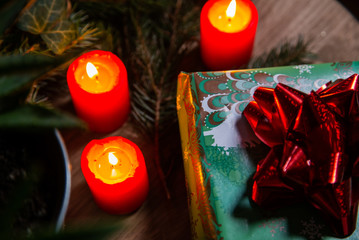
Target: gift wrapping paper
(220, 152)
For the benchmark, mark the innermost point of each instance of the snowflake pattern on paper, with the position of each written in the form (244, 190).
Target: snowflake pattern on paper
(274, 225)
(304, 68)
(311, 230)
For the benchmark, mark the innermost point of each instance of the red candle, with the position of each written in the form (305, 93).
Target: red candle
(99, 89)
(116, 174)
(227, 33)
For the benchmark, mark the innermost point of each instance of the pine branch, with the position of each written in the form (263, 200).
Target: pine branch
(159, 95)
(157, 104)
(286, 54)
(158, 44)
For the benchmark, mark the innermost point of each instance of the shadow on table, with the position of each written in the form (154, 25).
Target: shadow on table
(352, 6)
(296, 220)
(299, 219)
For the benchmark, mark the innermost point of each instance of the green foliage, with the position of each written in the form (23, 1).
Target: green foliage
(17, 74)
(89, 233)
(48, 18)
(162, 38)
(284, 55)
(36, 116)
(60, 36)
(8, 13)
(45, 35)
(48, 27)
(41, 15)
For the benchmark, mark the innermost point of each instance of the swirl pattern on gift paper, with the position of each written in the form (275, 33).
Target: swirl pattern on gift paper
(224, 95)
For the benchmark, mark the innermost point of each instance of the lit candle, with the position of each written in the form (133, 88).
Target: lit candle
(115, 171)
(99, 89)
(227, 33)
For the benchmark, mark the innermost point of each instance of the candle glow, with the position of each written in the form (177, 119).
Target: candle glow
(99, 78)
(98, 85)
(229, 17)
(227, 33)
(116, 173)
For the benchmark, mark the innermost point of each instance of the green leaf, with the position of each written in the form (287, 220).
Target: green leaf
(9, 12)
(59, 37)
(48, 19)
(42, 15)
(97, 232)
(36, 116)
(17, 73)
(19, 63)
(14, 83)
(14, 89)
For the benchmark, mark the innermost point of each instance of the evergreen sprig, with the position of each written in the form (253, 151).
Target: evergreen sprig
(160, 45)
(284, 55)
(36, 39)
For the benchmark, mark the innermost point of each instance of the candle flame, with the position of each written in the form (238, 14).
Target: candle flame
(91, 70)
(231, 10)
(112, 158)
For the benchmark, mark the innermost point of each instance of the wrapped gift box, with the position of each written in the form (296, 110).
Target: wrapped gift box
(220, 153)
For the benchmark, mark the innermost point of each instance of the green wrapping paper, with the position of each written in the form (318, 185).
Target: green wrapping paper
(220, 153)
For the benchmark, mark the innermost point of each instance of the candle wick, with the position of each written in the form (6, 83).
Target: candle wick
(229, 19)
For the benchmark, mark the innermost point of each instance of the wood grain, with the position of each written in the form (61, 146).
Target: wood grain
(334, 35)
(331, 29)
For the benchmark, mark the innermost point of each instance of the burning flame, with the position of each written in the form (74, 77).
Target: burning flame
(112, 158)
(231, 10)
(91, 70)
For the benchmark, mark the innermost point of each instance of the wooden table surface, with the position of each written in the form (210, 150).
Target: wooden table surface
(334, 34)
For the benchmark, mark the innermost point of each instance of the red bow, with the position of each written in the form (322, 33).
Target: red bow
(314, 140)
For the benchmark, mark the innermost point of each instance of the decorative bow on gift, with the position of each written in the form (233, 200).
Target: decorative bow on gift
(314, 142)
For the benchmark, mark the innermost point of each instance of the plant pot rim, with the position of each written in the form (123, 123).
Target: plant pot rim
(67, 189)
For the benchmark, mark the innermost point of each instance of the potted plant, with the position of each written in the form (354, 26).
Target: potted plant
(35, 177)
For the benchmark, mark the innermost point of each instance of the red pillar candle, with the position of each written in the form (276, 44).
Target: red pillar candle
(116, 174)
(227, 33)
(99, 89)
